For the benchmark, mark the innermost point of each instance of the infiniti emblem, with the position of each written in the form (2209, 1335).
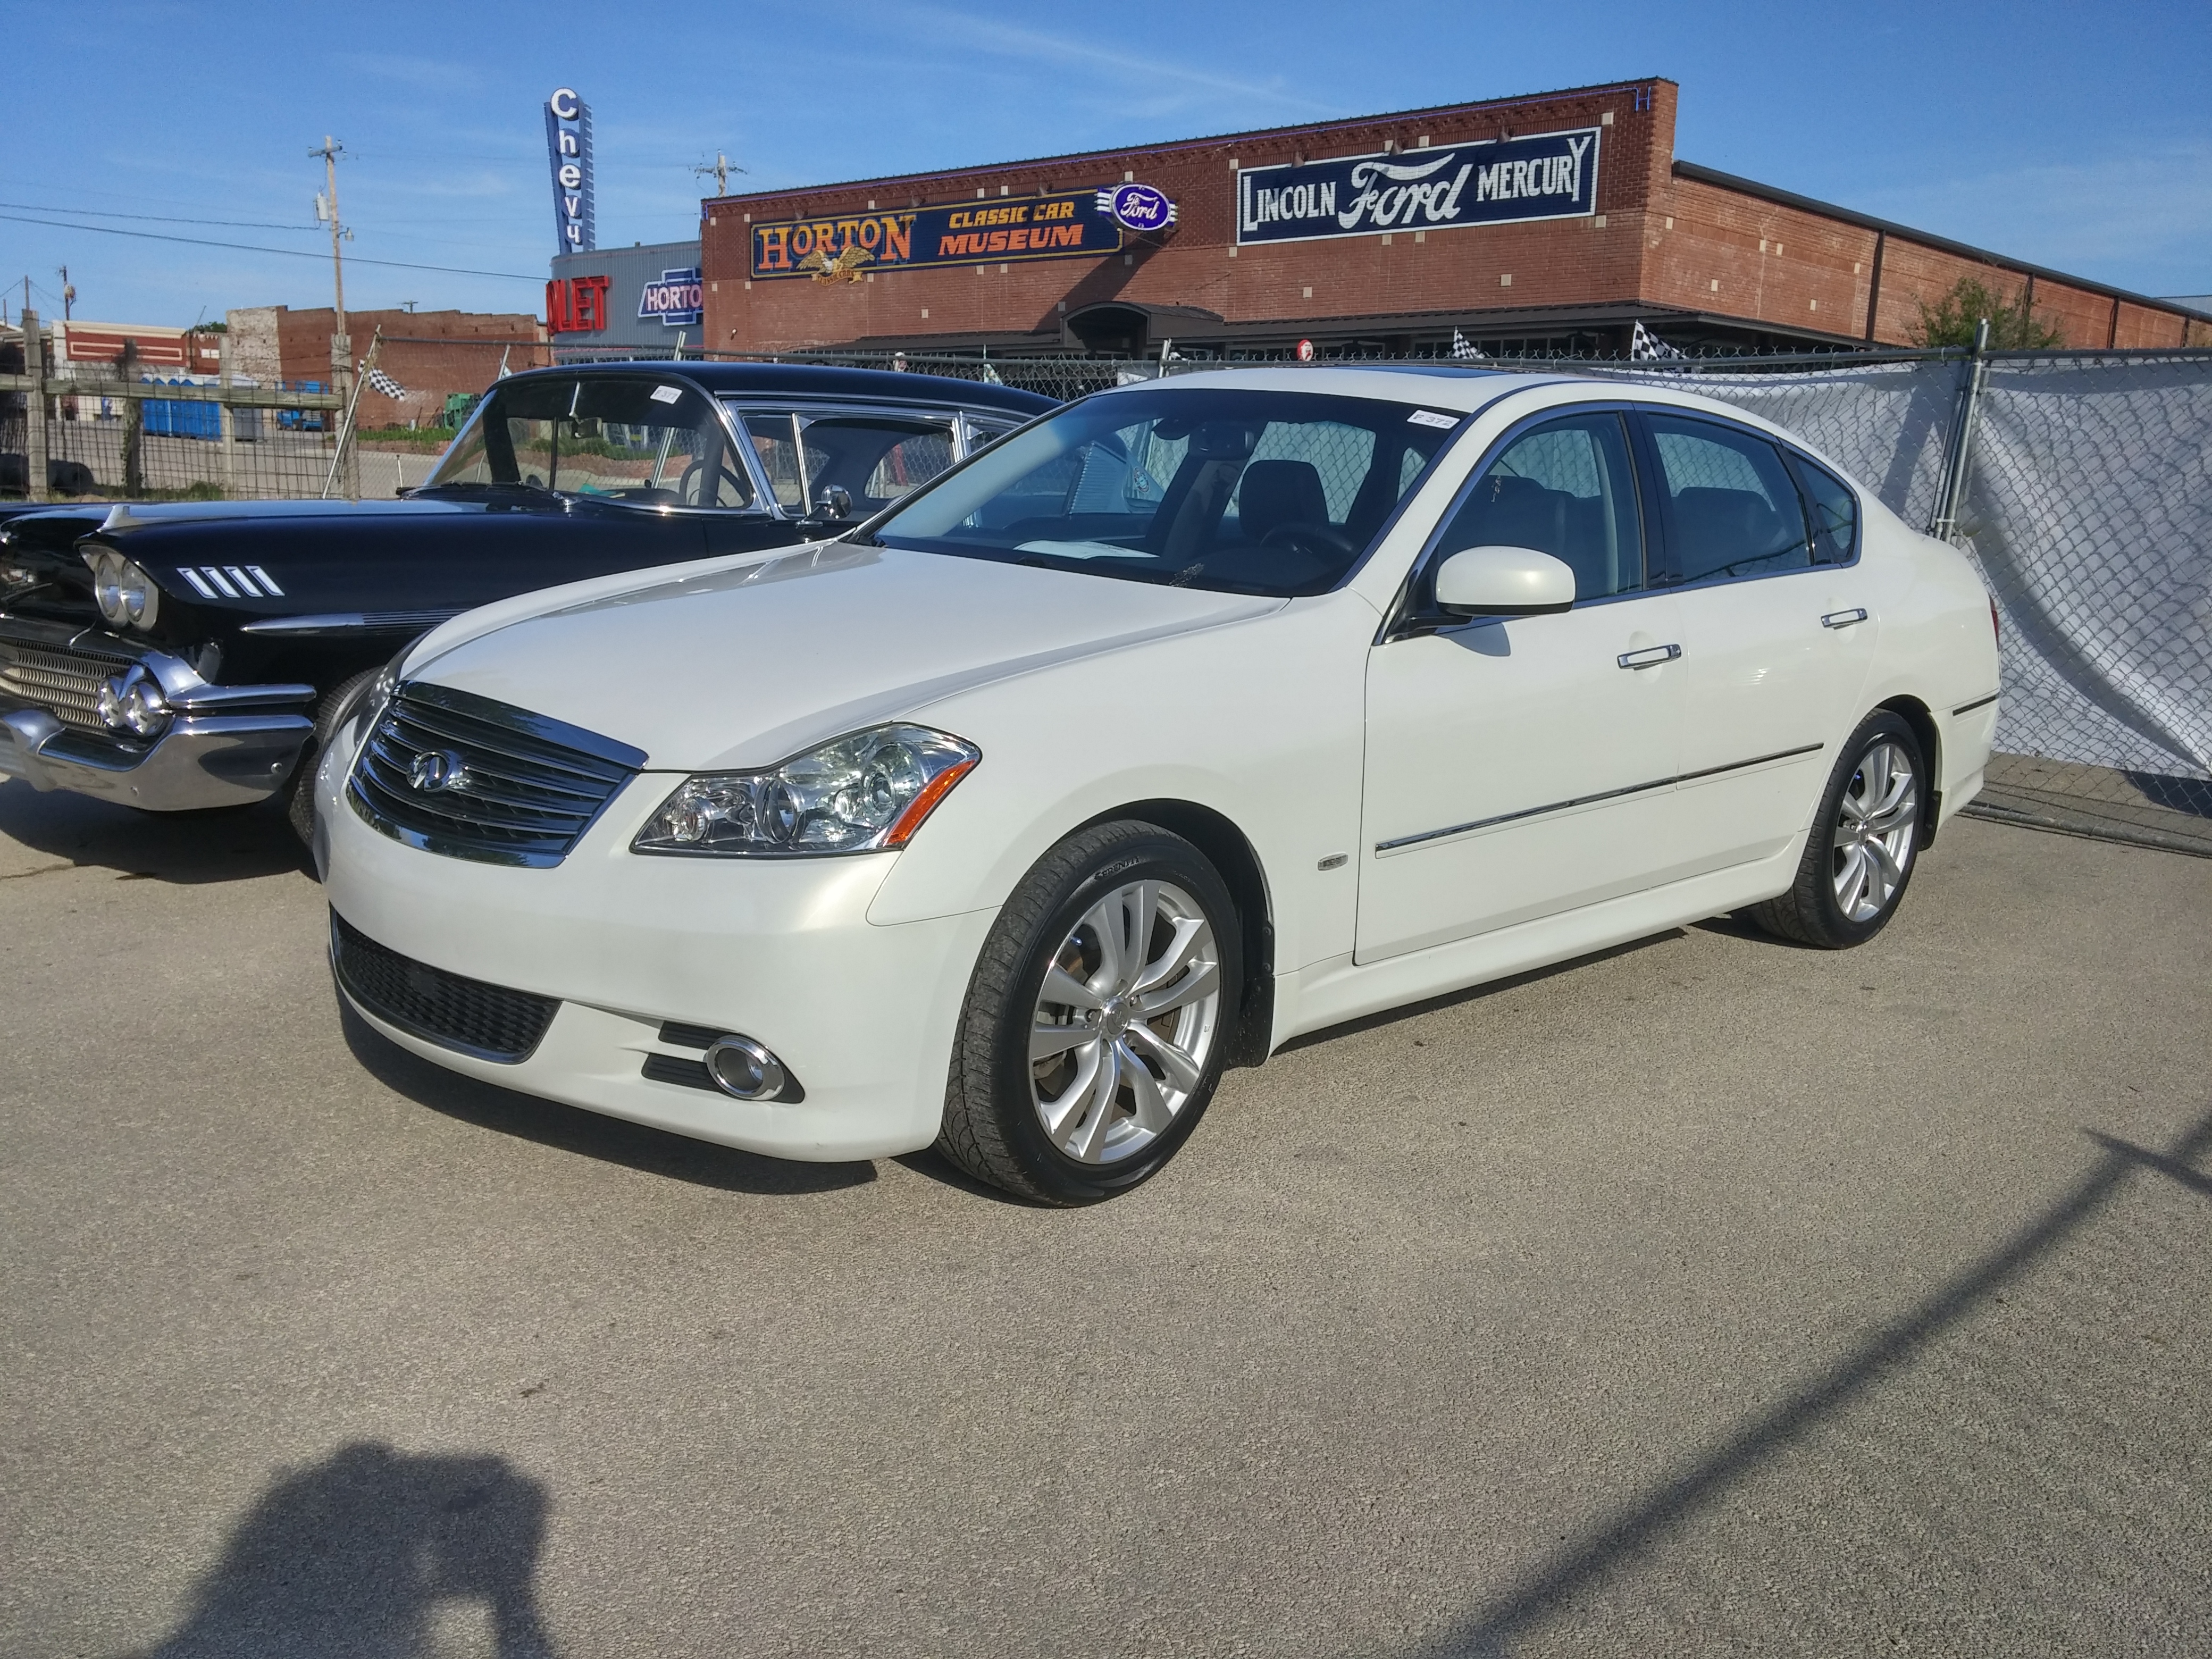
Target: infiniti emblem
(435, 769)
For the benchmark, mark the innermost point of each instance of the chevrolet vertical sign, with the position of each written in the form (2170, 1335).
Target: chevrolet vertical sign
(568, 150)
(1552, 175)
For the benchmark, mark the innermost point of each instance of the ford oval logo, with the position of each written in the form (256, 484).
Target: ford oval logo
(435, 769)
(1138, 207)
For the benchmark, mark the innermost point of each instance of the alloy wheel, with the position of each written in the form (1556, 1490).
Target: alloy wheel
(1126, 1022)
(1877, 822)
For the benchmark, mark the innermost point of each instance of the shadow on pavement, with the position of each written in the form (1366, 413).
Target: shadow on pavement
(231, 844)
(368, 1554)
(1583, 1563)
(1475, 993)
(590, 1134)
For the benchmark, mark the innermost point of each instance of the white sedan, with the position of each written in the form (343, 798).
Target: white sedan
(1192, 716)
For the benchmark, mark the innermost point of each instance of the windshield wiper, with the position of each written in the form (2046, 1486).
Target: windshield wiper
(469, 485)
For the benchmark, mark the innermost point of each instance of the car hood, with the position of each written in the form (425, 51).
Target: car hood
(742, 663)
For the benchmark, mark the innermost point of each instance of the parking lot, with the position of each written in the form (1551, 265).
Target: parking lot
(1713, 1296)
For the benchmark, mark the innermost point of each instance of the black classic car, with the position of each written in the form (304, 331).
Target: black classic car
(191, 655)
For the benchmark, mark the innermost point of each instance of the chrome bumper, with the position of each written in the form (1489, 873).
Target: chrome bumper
(225, 746)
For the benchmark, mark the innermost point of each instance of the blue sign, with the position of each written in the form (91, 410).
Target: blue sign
(678, 298)
(1137, 207)
(568, 148)
(1551, 176)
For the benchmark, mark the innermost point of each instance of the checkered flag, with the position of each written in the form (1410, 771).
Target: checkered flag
(379, 382)
(1646, 347)
(1465, 350)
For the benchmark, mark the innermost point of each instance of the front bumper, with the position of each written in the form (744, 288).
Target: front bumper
(780, 951)
(224, 745)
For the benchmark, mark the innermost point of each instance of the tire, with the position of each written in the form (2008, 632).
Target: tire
(1103, 1113)
(1866, 838)
(329, 714)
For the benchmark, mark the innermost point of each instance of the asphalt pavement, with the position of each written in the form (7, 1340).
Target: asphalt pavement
(1710, 1297)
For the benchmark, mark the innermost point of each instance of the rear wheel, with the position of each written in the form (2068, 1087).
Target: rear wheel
(1859, 857)
(1098, 1019)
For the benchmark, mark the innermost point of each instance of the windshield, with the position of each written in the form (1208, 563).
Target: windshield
(1243, 492)
(645, 440)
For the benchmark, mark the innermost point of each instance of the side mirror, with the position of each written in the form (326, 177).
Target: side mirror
(834, 502)
(1503, 581)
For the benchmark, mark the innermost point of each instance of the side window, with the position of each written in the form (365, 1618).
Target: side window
(1732, 510)
(982, 432)
(874, 458)
(1833, 509)
(1566, 488)
(775, 445)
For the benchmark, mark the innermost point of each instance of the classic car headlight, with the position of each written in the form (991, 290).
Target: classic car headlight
(125, 594)
(861, 793)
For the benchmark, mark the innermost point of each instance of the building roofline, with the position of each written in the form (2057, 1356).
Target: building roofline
(1704, 175)
(1177, 145)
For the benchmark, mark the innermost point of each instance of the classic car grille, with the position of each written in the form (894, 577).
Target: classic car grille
(488, 1021)
(453, 773)
(66, 684)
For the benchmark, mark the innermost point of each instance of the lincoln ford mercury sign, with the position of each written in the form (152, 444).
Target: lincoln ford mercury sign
(1024, 228)
(1552, 175)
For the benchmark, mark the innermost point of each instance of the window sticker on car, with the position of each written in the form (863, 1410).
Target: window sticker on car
(1430, 417)
(666, 394)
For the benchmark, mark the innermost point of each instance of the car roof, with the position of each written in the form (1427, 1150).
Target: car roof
(821, 380)
(1444, 385)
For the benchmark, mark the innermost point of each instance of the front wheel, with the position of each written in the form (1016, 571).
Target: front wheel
(1859, 856)
(332, 712)
(1098, 1019)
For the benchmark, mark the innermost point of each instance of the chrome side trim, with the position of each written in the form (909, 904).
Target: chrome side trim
(1586, 801)
(1978, 702)
(350, 622)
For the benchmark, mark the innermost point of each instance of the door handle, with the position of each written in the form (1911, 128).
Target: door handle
(1843, 618)
(1650, 657)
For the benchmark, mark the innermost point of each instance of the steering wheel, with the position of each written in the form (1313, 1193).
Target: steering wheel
(1307, 538)
(683, 483)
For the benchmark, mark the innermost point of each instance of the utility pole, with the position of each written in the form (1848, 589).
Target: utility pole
(341, 343)
(328, 206)
(721, 167)
(68, 293)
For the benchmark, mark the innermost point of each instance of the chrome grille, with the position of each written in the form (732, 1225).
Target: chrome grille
(453, 773)
(65, 683)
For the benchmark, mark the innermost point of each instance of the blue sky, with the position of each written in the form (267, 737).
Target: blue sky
(2077, 137)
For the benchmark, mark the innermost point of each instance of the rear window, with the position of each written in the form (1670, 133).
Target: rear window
(1833, 510)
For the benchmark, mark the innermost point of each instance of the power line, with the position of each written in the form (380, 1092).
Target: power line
(157, 218)
(287, 253)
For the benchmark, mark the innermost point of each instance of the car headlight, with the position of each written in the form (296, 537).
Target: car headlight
(863, 794)
(125, 594)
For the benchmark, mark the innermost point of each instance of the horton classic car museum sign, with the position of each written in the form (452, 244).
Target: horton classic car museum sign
(1066, 227)
(1552, 175)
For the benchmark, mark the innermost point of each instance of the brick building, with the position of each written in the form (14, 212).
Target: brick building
(1592, 227)
(430, 354)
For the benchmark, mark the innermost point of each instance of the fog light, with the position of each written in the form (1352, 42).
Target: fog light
(742, 1068)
